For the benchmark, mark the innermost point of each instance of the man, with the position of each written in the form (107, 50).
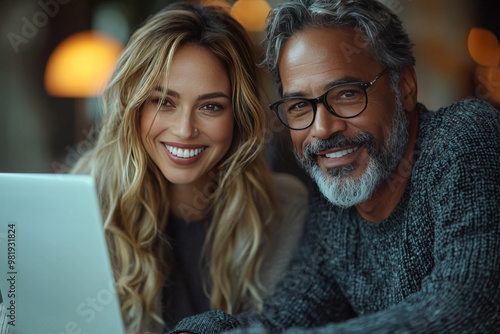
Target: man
(404, 231)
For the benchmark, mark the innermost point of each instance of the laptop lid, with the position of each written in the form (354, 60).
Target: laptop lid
(55, 272)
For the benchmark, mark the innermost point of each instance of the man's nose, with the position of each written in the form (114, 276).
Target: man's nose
(325, 123)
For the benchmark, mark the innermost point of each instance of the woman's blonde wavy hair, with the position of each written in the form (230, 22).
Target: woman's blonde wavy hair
(133, 191)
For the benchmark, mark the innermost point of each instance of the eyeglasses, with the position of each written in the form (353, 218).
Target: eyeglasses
(345, 100)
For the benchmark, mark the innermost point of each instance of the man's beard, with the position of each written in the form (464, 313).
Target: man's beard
(337, 184)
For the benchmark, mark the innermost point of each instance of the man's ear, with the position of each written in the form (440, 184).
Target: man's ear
(408, 88)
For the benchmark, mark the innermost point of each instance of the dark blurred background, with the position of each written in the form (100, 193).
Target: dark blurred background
(43, 133)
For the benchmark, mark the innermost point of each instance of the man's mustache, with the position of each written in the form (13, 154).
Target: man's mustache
(320, 145)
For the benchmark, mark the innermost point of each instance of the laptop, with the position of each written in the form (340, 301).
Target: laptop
(55, 271)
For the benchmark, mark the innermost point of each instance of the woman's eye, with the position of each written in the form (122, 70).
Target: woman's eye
(162, 103)
(212, 107)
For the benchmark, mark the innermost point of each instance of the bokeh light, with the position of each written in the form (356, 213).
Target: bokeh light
(251, 14)
(484, 47)
(81, 65)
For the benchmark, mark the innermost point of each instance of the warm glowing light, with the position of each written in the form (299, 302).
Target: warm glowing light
(81, 65)
(484, 47)
(217, 3)
(251, 14)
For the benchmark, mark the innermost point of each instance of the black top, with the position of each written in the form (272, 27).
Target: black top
(185, 295)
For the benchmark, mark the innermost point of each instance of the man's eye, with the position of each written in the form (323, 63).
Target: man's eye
(299, 106)
(349, 94)
(346, 95)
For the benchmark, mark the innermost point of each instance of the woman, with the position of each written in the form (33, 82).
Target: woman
(194, 219)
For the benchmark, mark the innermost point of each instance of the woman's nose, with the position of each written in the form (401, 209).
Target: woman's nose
(184, 125)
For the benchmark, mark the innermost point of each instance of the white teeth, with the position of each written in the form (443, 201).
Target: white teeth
(341, 153)
(181, 153)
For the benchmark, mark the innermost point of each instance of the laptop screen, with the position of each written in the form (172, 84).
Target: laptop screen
(55, 270)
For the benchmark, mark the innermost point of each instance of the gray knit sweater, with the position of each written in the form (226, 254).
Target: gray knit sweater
(433, 266)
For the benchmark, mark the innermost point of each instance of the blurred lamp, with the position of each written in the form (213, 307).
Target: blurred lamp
(251, 14)
(217, 3)
(80, 66)
(484, 47)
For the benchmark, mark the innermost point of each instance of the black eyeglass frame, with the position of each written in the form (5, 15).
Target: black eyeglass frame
(314, 101)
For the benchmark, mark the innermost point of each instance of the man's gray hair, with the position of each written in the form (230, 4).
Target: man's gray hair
(379, 29)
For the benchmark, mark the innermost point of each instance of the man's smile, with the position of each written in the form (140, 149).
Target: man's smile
(341, 153)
